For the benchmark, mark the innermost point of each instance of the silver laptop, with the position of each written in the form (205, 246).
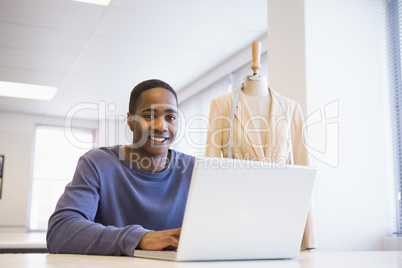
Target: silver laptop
(242, 210)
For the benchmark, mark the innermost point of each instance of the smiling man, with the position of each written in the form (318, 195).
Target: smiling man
(127, 197)
(152, 119)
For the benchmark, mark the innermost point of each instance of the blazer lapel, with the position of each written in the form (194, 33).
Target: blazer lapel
(244, 116)
(278, 129)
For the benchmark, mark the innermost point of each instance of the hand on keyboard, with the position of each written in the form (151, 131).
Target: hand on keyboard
(159, 240)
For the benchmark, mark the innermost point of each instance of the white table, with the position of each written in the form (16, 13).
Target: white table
(375, 259)
(22, 243)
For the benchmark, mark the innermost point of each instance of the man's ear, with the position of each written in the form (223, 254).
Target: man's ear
(129, 122)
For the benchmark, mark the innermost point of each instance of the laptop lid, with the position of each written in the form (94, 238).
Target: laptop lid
(239, 209)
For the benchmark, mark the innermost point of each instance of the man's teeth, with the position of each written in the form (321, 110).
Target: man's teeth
(158, 139)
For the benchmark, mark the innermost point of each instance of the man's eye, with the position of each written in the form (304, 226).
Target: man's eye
(149, 116)
(171, 117)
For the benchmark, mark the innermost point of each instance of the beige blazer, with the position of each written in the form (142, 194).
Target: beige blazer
(247, 144)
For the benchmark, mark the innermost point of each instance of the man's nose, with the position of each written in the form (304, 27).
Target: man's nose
(160, 124)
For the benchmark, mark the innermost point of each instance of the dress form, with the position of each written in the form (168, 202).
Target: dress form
(256, 93)
(283, 145)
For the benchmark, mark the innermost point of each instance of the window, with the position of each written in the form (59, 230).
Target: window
(394, 10)
(54, 162)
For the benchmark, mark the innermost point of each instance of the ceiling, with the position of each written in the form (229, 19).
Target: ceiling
(98, 54)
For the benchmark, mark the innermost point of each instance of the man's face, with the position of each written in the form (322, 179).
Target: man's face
(154, 123)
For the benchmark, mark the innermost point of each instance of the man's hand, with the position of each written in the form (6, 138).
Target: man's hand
(160, 239)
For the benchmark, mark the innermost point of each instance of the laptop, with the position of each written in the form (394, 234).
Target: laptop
(242, 210)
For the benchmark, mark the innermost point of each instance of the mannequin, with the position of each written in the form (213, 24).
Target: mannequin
(255, 90)
(258, 124)
(256, 93)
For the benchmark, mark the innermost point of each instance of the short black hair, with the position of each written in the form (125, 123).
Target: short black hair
(135, 96)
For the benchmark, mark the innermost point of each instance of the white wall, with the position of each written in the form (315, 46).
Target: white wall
(16, 143)
(345, 63)
(286, 49)
(329, 55)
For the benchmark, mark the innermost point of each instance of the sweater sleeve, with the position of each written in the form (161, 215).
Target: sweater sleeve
(72, 229)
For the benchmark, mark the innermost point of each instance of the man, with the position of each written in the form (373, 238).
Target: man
(127, 197)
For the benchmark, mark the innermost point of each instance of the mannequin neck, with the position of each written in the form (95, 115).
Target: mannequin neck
(255, 85)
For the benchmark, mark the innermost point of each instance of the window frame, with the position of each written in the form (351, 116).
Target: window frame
(32, 177)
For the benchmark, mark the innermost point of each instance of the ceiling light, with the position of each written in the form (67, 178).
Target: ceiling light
(27, 91)
(96, 2)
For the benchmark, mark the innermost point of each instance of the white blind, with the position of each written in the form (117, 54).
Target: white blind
(394, 14)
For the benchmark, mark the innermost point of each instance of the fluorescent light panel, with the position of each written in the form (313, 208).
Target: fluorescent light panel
(26, 91)
(95, 2)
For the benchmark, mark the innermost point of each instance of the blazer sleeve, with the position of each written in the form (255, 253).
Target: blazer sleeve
(301, 157)
(213, 146)
(300, 153)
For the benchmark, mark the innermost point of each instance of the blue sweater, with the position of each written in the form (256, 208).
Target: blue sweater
(110, 204)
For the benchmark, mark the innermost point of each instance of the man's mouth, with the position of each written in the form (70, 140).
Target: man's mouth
(158, 140)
